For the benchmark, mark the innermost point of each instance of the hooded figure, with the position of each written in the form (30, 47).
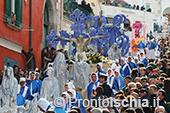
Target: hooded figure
(44, 105)
(114, 52)
(21, 109)
(99, 69)
(32, 84)
(50, 88)
(120, 79)
(9, 87)
(80, 71)
(125, 69)
(112, 81)
(45, 72)
(38, 81)
(60, 71)
(67, 98)
(131, 63)
(92, 86)
(23, 92)
(78, 97)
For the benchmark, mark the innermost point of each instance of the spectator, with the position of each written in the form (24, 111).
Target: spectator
(134, 6)
(142, 8)
(30, 58)
(137, 7)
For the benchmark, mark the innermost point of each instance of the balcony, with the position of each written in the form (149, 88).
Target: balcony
(69, 7)
(132, 15)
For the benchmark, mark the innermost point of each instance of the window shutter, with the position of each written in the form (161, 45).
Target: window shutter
(8, 5)
(18, 12)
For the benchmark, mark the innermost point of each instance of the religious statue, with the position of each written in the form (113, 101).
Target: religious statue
(114, 52)
(9, 88)
(80, 43)
(60, 71)
(50, 88)
(80, 72)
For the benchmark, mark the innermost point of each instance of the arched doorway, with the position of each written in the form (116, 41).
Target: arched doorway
(50, 19)
(127, 25)
(166, 12)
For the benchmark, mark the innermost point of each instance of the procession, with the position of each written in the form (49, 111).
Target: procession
(87, 61)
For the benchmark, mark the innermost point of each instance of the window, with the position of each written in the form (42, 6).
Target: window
(13, 12)
(147, 7)
(10, 62)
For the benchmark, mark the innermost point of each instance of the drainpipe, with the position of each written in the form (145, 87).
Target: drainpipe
(30, 25)
(61, 18)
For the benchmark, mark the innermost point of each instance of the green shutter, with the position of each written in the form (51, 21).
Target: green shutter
(8, 8)
(18, 12)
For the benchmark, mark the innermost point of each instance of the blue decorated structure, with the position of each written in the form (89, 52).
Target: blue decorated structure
(94, 26)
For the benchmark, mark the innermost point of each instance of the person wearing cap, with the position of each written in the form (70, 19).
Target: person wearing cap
(154, 74)
(130, 63)
(23, 92)
(141, 46)
(153, 93)
(99, 69)
(107, 89)
(125, 69)
(92, 86)
(30, 59)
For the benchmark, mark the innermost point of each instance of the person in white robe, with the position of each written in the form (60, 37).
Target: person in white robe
(80, 72)
(60, 71)
(49, 89)
(21, 109)
(67, 107)
(117, 64)
(9, 88)
(44, 105)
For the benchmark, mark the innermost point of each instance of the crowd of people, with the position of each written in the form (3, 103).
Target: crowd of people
(129, 6)
(83, 5)
(144, 77)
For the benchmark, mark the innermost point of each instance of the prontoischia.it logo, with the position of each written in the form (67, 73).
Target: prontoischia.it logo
(108, 102)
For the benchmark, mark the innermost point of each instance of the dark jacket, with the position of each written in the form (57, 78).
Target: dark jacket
(107, 90)
(31, 64)
(97, 97)
(146, 109)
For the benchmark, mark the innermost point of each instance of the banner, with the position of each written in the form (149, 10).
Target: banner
(139, 32)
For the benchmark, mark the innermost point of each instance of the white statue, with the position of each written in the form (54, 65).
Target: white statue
(9, 88)
(50, 88)
(80, 72)
(114, 52)
(60, 71)
(80, 43)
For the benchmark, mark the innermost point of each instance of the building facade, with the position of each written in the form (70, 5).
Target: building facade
(15, 29)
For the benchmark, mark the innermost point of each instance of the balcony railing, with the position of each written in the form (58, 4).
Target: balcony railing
(69, 7)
